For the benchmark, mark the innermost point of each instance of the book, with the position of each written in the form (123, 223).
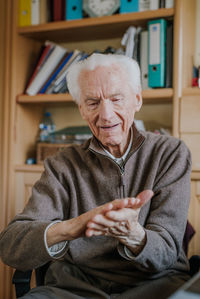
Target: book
(56, 72)
(162, 3)
(136, 50)
(44, 11)
(154, 4)
(169, 55)
(47, 68)
(24, 13)
(58, 10)
(75, 57)
(144, 5)
(52, 85)
(63, 82)
(35, 12)
(144, 58)
(46, 50)
(169, 3)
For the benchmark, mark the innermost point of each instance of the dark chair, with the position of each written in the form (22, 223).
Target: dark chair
(22, 280)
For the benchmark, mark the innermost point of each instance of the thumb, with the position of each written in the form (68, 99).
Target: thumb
(144, 197)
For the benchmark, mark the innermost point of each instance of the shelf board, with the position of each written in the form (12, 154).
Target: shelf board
(191, 91)
(92, 28)
(158, 95)
(29, 168)
(44, 98)
(195, 175)
(153, 96)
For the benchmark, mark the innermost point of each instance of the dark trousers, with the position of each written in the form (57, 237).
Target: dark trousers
(77, 285)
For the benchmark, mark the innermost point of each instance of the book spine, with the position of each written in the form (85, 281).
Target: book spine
(53, 76)
(144, 5)
(74, 58)
(24, 13)
(46, 70)
(154, 4)
(57, 10)
(162, 4)
(35, 12)
(169, 3)
(45, 53)
(44, 11)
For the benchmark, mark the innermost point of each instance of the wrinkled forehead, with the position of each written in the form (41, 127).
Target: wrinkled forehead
(105, 78)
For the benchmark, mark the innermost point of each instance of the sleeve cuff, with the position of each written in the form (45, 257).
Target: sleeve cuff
(125, 252)
(57, 250)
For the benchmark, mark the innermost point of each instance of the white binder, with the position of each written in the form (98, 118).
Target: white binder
(144, 58)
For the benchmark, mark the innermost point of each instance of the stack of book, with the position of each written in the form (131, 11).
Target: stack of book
(49, 75)
(35, 12)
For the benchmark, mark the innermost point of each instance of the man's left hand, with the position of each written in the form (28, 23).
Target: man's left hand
(122, 223)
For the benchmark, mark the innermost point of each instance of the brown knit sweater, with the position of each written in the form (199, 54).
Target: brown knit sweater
(83, 177)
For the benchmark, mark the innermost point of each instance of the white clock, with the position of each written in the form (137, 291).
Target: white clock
(98, 8)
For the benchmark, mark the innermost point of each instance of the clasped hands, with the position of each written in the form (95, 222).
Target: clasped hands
(119, 219)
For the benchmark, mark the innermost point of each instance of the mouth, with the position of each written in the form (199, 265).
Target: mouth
(110, 127)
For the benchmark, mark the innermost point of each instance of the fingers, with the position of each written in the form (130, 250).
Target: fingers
(132, 202)
(123, 214)
(101, 221)
(92, 232)
(100, 225)
(144, 197)
(116, 205)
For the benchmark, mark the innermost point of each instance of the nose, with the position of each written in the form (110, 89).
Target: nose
(106, 110)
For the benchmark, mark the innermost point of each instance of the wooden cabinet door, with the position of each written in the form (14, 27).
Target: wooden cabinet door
(24, 184)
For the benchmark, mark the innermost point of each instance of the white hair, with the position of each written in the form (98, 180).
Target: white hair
(130, 66)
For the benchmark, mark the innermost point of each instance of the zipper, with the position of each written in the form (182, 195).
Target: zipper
(121, 170)
(122, 186)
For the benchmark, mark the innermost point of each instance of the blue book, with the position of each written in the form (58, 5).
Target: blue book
(54, 75)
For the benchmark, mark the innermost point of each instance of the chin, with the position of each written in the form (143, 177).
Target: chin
(110, 142)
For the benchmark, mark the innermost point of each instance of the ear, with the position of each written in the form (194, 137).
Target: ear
(138, 101)
(80, 107)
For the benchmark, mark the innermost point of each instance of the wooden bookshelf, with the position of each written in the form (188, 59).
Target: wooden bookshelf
(160, 95)
(92, 28)
(191, 91)
(22, 113)
(29, 168)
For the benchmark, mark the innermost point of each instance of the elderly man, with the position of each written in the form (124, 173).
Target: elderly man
(110, 214)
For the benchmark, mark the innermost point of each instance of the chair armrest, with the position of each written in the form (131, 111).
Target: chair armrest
(21, 280)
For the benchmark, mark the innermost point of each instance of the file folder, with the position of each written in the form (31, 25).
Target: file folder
(127, 6)
(144, 58)
(156, 47)
(73, 9)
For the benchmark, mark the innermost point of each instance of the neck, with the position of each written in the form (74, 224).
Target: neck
(118, 150)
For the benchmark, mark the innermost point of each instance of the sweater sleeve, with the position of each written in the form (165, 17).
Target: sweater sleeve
(22, 243)
(165, 225)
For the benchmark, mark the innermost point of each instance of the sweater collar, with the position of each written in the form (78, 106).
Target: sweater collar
(137, 140)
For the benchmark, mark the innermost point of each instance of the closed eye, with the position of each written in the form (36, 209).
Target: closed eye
(115, 100)
(92, 103)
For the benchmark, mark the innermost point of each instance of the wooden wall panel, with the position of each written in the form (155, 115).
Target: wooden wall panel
(6, 290)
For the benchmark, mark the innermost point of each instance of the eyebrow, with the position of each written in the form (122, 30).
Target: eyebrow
(90, 98)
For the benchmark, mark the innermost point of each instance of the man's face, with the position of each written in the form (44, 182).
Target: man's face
(108, 104)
